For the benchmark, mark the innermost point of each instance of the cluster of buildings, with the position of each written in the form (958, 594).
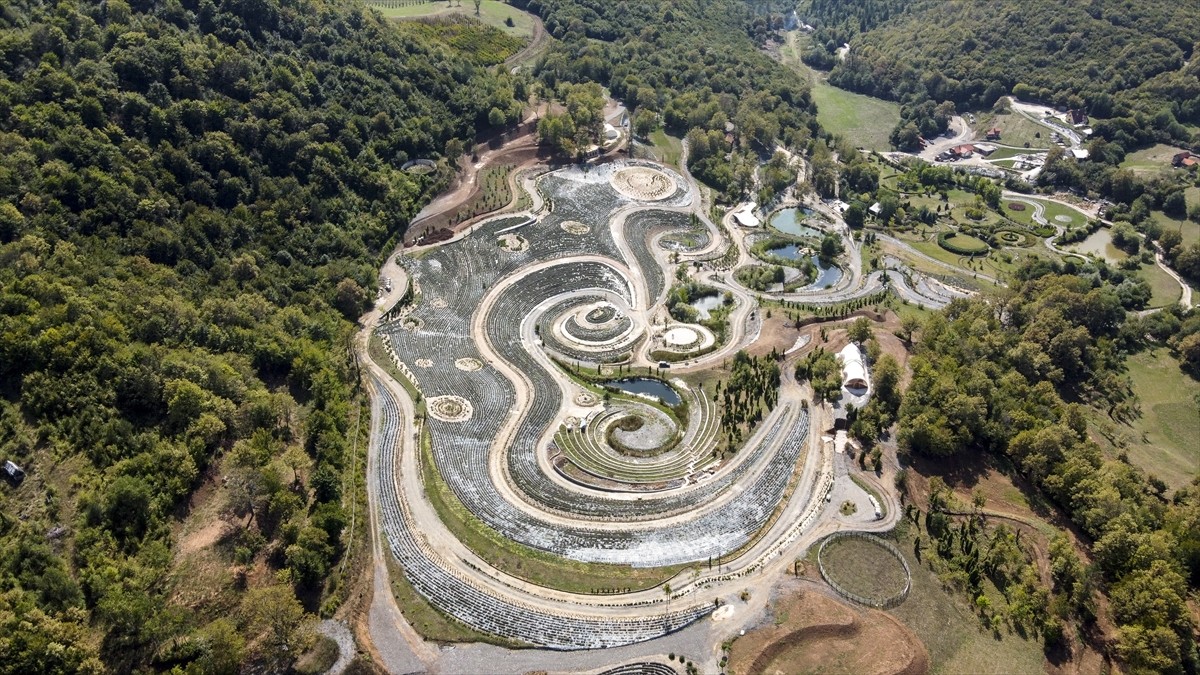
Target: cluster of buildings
(1185, 160)
(966, 151)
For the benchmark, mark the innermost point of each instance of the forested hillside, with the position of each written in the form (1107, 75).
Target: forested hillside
(689, 66)
(194, 196)
(1012, 378)
(1116, 59)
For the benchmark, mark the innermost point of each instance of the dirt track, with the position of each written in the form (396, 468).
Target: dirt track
(814, 632)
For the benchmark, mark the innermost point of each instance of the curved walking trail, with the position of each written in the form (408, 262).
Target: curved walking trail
(402, 517)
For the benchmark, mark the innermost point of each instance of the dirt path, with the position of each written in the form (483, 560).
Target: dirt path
(339, 633)
(537, 43)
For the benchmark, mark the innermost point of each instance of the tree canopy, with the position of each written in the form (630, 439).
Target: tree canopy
(194, 196)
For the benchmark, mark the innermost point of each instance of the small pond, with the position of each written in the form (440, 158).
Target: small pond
(826, 274)
(647, 386)
(705, 305)
(789, 221)
(1099, 243)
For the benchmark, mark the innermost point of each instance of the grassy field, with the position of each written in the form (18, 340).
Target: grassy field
(1015, 130)
(1054, 211)
(667, 148)
(1164, 289)
(1163, 440)
(955, 638)
(866, 121)
(968, 243)
(1155, 159)
(863, 568)
(492, 12)
(1189, 230)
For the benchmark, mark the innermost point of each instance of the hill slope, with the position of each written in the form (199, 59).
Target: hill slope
(193, 198)
(1114, 58)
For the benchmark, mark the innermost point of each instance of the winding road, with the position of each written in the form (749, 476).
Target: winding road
(802, 517)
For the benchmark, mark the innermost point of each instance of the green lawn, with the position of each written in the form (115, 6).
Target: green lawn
(1165, 440)
(867, 121)
(667, 148)
(1164, 289)
(968, 243)
(1016, 130)
(492, 12)
(1054, 210)
(1189, 230)
(1155, 159)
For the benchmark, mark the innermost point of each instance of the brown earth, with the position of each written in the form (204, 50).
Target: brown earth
(812, 632)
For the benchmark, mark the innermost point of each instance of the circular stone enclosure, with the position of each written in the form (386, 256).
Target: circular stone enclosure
(450, 408)
(865, 569)
(643, 183)
(681, 336)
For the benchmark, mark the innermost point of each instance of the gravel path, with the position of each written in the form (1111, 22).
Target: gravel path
(339, 633)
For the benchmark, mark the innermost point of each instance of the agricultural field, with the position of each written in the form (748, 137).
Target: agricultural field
(865, 120)
(1155, 159)
(1162, 440)
(492, 12)
(1017, 131)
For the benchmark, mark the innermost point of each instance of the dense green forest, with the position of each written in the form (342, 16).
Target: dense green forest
(689, 66)
(194, 196)
(1012, 377)
(1115, 59)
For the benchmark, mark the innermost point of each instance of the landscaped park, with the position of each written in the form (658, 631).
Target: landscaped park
(593, 459)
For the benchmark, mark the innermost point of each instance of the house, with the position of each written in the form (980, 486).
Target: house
(963, 151)
(1190, 163)
(1080, 154)
(1077, 117)
(993, 134)
(1179, 159)
(984, 149)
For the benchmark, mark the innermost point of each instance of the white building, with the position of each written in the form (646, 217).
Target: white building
(854, 372)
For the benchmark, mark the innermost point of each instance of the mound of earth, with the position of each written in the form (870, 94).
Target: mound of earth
(810, 632)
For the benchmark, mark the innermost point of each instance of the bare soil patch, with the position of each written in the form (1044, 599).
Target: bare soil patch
(811, 632)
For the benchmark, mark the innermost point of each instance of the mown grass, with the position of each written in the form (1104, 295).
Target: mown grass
(491, 12)
(1155, 159)
(667, 148)
(1164, 290)
(1015, 130)
(863, 568)
(866, 121)
(1164, 439)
